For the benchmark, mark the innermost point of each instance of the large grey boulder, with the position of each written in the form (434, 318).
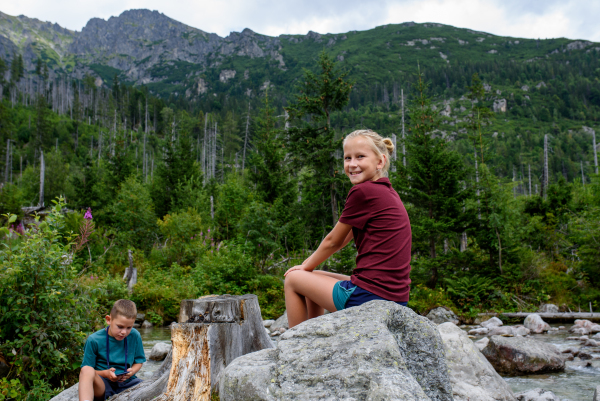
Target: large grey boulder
(471, 375)
(376, 351)
(521, 355)
(160, 351)
(441, 315)
(281, 323)
(537, 394)
(535, 323)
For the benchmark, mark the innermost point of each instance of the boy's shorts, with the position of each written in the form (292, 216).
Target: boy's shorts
(114, 388)
(346, 295)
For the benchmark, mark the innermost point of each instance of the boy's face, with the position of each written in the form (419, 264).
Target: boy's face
(119, 327)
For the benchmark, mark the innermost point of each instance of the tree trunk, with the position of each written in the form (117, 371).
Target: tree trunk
(42, 175)
(212, 332)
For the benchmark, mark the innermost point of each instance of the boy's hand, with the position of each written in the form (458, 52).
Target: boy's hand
(110, 373)
(125, 376)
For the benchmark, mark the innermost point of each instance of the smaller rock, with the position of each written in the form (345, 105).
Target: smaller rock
(521, 331)
(571, 350)
(572, 338)
(591, 343)
(520, 355)
(267, 331)
(583, 323)
(579, 330)
(268, 323)
(160, 351)
(553, 329)
(507, 335)
(281, 322)
(479, 332)
(535, 323)
(537, 394)
(282, 330)
(274, 333)
(568, 357)
(561, 327)
(583, 338)
(548, 308)
(493, 322)
(498, 331)
(146, 324)
(481, 344)
(441, 315)
(140, 317)
(584, 355)
(597, 336)
(595, 328)
(596, 394)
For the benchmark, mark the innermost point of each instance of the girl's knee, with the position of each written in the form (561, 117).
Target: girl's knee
(291, 278)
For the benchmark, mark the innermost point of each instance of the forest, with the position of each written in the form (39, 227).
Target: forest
(223, 194)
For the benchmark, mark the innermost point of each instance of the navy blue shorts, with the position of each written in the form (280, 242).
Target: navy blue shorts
(346, 295)
(114, 388)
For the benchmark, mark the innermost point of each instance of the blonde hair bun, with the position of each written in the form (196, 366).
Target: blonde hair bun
(389, 145)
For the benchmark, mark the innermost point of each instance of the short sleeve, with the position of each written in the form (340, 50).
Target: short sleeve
(89, 354)
(356, 212)
(140, 356)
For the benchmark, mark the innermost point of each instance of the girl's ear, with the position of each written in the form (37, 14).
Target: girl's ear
(381, 162)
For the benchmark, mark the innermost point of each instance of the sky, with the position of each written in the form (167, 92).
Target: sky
(574, 19)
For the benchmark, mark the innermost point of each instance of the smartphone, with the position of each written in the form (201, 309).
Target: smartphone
(120, 375)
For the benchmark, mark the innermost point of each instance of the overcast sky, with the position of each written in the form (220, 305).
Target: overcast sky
(575, 19)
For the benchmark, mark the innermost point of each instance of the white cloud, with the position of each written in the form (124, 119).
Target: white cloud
(530, 19)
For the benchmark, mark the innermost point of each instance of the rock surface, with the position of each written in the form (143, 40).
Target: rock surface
(441, 315)
(471, 375)
(282, 322)
(146, 324)
(70, 394)
(479, 332)
(493, 322)
(535, 323)
(376, 351)
(160, 351)
(520, 355)
(537, 394)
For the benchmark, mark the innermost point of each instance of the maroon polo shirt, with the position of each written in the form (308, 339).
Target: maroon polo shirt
(383, 238)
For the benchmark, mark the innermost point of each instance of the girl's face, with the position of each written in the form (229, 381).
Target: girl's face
(361, 163)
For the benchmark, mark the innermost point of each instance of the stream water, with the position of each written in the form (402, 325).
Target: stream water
(576, 383)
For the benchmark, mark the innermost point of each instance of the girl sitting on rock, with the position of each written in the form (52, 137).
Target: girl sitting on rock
(376, 219)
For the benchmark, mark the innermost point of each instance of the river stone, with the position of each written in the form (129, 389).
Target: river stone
(521, 355)
(595, 328)
(596, 394)
(146, 324)
(140, 317)
(70, 394)
(597, 336)
(479, 332)
(537, 394)
(268, 323)
(548, 308)
(591, 343)
(376, 351)
(481, 344)
(582, 331)
(535, 323)
(160, 351)
(509, 331)
(493, 322)
(471, 375)
(441, 315)
(279, 323)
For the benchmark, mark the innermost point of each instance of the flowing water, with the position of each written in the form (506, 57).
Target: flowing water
(576, 383)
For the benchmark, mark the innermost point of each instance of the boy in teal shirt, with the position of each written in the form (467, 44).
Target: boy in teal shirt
(112, 356)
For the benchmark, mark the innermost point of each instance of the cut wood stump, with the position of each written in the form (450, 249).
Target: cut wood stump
(212, 332)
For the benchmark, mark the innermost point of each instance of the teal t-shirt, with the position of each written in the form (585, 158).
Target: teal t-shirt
(94, 354)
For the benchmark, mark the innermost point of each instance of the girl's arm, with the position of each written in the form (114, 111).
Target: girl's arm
(333, 242)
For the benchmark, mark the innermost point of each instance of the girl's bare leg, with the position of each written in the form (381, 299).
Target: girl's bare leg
(314, 309)
(307, 293)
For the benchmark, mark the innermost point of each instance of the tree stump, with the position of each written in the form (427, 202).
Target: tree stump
(212, 332)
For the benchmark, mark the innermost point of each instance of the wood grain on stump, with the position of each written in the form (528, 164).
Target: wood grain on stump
(212, 332)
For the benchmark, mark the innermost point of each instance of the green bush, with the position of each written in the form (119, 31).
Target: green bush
(424, 299)
(183, 237)
(45, 312)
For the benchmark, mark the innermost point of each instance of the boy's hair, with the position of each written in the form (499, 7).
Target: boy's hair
(381, 146)
(125, 308)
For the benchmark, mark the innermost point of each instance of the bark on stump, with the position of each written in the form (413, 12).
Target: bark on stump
(212, 332)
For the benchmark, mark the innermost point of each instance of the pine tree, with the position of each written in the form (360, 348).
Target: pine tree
(313, 145)
(432, 180)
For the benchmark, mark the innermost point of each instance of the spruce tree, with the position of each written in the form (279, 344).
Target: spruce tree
(312, 141)
(432, 181)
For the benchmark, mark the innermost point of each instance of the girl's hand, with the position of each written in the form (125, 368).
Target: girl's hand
(291, 269)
